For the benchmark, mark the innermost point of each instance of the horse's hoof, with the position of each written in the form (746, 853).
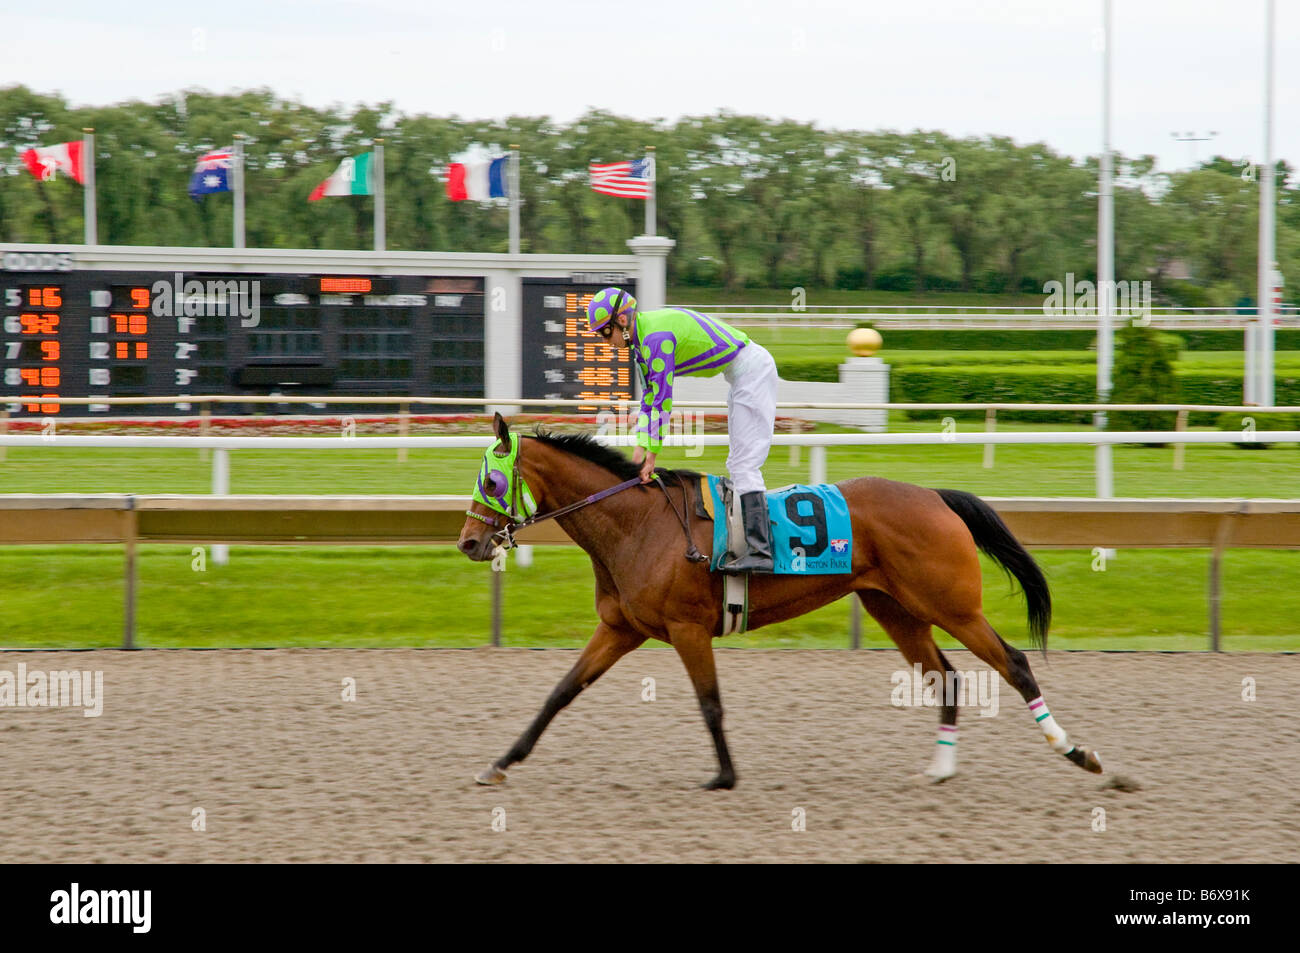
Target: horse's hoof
(491, 775)
(723, 782)
(939, 775)
(1085, 758)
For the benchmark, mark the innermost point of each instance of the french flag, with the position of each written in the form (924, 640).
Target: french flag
(44, 162)
(477, 179)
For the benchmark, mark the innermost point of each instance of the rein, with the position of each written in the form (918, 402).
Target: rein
(507, 532)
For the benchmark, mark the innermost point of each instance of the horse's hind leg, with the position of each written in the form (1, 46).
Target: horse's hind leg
(606, 647)
(914, 639)
(976, 634)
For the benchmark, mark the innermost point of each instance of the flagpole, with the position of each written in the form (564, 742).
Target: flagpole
(1105, 267)
(1263, 351)
(88, 173)
(514, 198)
(238, 170)
(650, 201)
(379, 195)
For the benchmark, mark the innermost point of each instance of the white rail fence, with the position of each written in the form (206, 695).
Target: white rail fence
(817, 444)
(219, 520)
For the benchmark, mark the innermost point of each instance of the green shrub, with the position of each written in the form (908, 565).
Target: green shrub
(925, 339)
(1237, 422)
(1030, 383)
(1143, 374)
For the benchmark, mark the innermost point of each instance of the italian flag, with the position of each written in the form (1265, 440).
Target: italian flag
(353, 177)
(47, 160)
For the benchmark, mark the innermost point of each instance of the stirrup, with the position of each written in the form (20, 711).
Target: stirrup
(755, 544)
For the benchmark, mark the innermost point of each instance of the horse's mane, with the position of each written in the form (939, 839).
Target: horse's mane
(585, 446)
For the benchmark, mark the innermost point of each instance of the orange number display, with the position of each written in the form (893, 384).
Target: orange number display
(45, 297)
(139, 297)
(39, 323)
(130, 323)
(40, 376)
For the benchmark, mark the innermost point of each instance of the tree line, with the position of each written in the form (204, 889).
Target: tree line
(751, 201)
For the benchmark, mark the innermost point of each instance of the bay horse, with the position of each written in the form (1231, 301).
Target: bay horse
(914, 566)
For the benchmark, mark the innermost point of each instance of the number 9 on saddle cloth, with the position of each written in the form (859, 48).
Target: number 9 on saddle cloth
(811, 531)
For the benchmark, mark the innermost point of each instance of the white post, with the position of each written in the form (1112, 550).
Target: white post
(503, 326)
(1105, 267)
(652, 259)
(512, 183)
(220, 487)
(88, 173)
(238, 171)
(524, 555)
(1264, 336)
(990, 426)
(816, 465)
(1250, 382)
(377, 173)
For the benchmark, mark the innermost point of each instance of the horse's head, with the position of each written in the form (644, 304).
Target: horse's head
(501, 497)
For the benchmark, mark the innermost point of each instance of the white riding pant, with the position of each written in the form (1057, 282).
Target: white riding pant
(751, 415)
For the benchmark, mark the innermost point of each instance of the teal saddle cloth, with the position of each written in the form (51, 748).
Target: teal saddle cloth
(811, 532)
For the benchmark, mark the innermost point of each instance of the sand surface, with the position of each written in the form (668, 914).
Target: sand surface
(285, 770)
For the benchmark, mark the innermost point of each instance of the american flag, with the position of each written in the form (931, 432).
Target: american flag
(629, 180)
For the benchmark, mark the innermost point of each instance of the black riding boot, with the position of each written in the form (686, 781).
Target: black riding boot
(757, 554)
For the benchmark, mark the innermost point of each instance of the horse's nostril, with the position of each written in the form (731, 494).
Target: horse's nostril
(466, 546)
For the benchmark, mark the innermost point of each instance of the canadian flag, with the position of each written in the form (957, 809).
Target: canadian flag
(47, 160)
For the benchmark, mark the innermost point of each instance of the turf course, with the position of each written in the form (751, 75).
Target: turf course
(317, 596)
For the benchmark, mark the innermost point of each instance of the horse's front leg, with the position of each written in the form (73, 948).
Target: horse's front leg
(694, 645)
(606, 647)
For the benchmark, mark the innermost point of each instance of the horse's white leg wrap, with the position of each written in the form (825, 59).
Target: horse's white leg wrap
(944, 764)
(1055, 734)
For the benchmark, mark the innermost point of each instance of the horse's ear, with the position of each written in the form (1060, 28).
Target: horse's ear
(502, 431)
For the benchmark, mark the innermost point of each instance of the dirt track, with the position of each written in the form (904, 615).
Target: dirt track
(287, 771)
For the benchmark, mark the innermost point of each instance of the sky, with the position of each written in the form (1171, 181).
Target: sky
(1027, 69)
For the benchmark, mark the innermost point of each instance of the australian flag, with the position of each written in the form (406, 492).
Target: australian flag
(212, 173)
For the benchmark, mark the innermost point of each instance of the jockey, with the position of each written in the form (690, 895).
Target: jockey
(672, 341)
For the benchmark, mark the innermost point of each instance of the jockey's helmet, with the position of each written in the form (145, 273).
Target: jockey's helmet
(607, 304)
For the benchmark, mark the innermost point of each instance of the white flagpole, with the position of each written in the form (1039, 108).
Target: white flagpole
(378, 173)
(1105, 268)
(88, 173)
(512, 180)
(1263, 352)
(238, 170)
(650, 201)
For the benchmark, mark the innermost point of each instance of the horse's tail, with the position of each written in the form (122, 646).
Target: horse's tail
(996, 541)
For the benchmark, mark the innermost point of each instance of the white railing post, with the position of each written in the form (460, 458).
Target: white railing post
(990, 426)
(817, 465)
(1180, 448)
(220, 487)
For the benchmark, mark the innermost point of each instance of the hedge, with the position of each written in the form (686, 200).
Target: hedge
(1285, 339)
(1032, 384)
